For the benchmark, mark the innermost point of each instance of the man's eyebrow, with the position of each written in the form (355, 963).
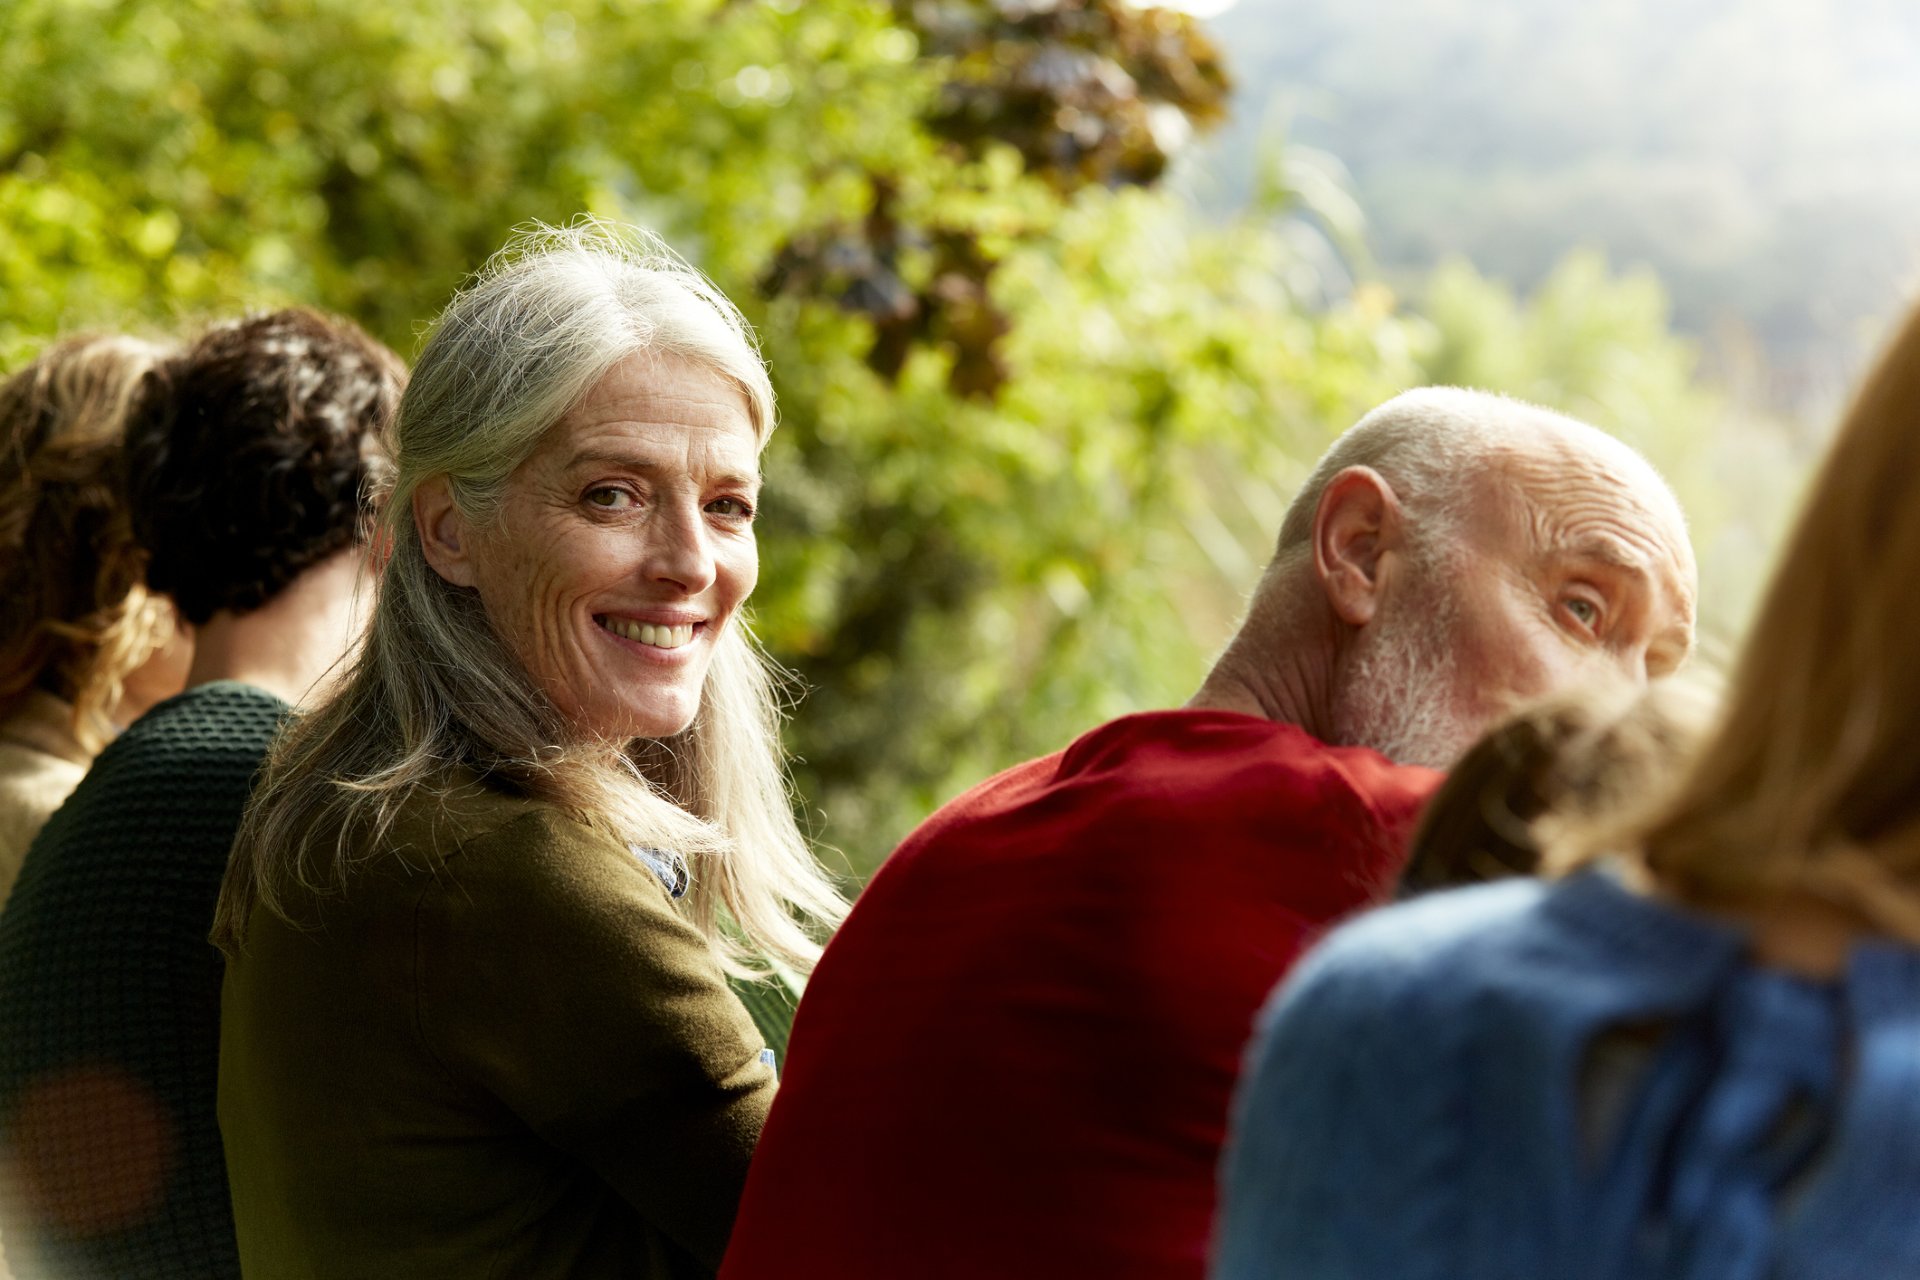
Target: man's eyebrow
(633, 461)
(1623, 557)
(1612, 552)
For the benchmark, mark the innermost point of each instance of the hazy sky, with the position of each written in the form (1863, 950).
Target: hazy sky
(1199, 8)
(1759, 155)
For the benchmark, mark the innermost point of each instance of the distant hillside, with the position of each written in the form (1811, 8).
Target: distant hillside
(1762, 155)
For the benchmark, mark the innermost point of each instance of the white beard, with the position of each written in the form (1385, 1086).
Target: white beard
(1399, 694)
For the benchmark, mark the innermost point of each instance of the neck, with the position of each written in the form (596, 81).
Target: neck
(289, 645)
(1805, 936)
(1279, 666)
(1789, 929)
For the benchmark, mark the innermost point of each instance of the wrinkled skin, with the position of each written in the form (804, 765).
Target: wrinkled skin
(1572, 564)
(636, 508)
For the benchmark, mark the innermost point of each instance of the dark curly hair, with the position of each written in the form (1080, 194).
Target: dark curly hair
(254, 454)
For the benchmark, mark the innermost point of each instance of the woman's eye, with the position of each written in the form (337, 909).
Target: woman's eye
(1584, 611)
(738, 508)
(610, 499)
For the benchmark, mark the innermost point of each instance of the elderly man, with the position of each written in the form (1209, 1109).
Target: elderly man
(1016, 1058)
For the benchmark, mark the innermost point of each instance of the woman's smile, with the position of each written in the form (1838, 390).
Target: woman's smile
(667, 641)
(632, 519)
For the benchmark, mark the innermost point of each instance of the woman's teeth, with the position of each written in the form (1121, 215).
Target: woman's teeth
(660, 637)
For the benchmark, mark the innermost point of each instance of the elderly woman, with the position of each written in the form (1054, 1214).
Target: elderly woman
(1692, 1057)
(83, 647)
(478, 920)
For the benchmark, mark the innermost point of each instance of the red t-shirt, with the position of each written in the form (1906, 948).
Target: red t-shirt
(1017, 1055)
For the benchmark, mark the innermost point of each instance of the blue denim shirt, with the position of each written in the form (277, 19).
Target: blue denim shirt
(1420, 1102)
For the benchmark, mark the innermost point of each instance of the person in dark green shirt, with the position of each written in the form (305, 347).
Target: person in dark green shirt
(247, 460)
(481, 915)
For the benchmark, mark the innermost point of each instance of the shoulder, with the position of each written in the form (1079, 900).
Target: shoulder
(481, 831)
(1353, 791)
(1352, 1096)
(460, 814)
(213, 716)
(510, 863)
(1409, 965)
(35, 781)
(1372, 1021)
(1226, 758)
(208, 741)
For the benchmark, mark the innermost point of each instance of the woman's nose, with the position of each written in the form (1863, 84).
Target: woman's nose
(680, 549)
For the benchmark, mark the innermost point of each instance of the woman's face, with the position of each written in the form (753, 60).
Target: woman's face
(625, 547)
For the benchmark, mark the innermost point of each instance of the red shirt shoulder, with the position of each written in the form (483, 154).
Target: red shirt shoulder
(1217, 785)
(1034, 1016)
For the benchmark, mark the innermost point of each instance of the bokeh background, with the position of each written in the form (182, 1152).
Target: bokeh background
(1061, 296)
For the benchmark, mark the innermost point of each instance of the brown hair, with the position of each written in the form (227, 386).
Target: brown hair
(1811, 783)
(79, 618)
(1565, 759)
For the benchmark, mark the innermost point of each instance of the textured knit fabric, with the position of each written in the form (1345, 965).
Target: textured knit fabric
(41, 762)
(1574, 1081)
(1016, 1057)
(110, 999)
(503, 1053)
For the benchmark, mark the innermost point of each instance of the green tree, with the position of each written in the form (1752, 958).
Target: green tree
(1039, 418)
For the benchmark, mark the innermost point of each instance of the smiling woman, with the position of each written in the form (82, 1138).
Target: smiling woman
(471, 1024)
(623, 548)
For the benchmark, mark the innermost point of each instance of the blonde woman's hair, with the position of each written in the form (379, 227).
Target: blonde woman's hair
(1810, 782)
(79, 618)
(434, 689)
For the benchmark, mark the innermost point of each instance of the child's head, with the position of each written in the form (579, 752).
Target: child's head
(1574, 756)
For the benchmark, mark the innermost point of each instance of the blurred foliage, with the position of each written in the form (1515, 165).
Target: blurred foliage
(1099, 91)
(1592, 344)
(1091, 91)
(1040, 419)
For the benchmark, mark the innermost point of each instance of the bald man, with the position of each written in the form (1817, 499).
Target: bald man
(1016, 1058)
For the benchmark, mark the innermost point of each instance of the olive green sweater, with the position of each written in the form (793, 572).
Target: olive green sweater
(523, 1063)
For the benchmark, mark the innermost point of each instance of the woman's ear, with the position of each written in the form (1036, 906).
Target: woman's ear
(1358, 521)
(446, 539)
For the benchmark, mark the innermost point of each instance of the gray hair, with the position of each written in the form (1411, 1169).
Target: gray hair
(435, 688)
(539, 325)
(1430, 445)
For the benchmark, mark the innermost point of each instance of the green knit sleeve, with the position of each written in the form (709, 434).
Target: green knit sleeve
(554, 974)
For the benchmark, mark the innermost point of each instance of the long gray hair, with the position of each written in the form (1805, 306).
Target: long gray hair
(434, 688)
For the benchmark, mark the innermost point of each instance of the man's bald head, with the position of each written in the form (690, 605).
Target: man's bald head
(1435, 445)
(1454, 553)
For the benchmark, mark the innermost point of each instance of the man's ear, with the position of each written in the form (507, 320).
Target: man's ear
(446, 539)
(1358, 520)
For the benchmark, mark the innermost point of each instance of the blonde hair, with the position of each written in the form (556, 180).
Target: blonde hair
(79, 618)
(1810, 783)
(435, 689)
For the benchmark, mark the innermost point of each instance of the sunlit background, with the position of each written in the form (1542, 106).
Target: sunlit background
(1061, 296)
(1203, 8)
